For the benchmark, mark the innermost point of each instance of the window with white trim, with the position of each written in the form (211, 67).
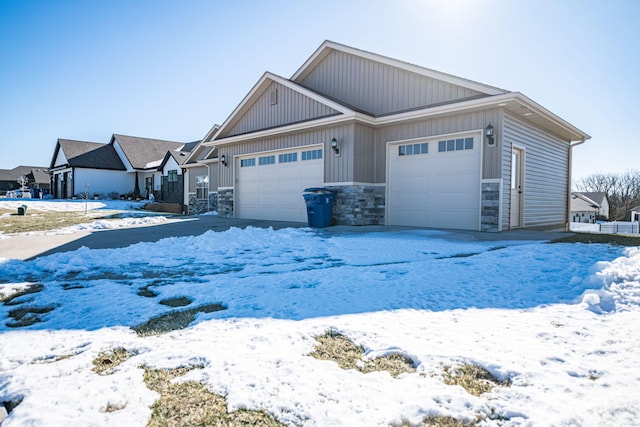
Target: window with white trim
(413, 149)
(247, 162)
(202, 187)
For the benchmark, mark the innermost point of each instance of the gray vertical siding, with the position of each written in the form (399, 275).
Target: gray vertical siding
(439, 126)
(379, 88)
(193, 173)
(291, 107)
(337, 168)
(545, 173)
(365, 156)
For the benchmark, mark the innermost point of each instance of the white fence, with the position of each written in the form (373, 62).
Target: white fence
(616, 227)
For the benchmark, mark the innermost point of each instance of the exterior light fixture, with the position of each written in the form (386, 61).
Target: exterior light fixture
(488, 132)
(223, 160)
(334, 146)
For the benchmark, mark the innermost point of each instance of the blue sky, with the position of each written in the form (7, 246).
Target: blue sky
(86, 69)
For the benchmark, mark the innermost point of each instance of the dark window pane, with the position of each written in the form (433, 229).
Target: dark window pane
(460, 144)
(401, 150)
(442, 146)
(424, 148)
(468, 144)
(451, 145)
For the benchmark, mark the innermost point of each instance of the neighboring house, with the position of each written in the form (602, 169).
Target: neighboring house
(38, 177)
(598, 199)
(635, 214)
(399, 143)
(126, 165)
(583, 209)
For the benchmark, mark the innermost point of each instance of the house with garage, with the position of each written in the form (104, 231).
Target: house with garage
(127, 165)
(400, 144)
(200, 172)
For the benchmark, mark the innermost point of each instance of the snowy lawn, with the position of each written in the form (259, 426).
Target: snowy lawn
(69, 216)
(558, 323)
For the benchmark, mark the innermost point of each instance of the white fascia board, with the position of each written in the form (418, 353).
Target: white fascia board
(438, 75)
(260, 85)
(490, 101)
(539, 109)
(331, 120)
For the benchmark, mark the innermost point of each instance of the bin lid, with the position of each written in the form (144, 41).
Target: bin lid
(318, 190)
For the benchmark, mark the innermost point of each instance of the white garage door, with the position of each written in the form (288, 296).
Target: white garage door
(435, 183)
(270, 185)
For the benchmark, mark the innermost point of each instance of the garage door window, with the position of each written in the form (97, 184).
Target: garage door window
(247, 162)
(311, 155)
(413, 149)
(455, 144)
(287, 158)
(267, 160)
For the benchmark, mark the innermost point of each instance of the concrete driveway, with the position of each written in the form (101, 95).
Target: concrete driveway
(40, 244)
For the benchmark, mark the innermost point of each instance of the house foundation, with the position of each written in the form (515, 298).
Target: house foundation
(359, 204)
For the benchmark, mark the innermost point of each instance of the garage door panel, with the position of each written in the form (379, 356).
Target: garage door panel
(434, 189)
(274, 191)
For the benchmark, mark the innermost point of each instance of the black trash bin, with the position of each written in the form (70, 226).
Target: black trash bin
(319, 206)
(22, 210)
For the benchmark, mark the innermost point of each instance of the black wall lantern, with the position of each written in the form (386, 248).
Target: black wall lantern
(334, 146)
(223, 160)
(488, 132)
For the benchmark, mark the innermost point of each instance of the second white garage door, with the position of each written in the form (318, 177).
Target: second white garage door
(435, 183)
(271, 185)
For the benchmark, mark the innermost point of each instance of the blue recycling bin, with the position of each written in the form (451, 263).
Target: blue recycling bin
(319, 203)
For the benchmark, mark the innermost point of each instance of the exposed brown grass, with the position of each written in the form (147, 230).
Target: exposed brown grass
(27, 316)
(43, 221)
(108, 360)
(190, 403)
(174, 320)
(612, 239)
(475, 379)
(340, 349)
(31, 289)
(440, 421)
(176, 302)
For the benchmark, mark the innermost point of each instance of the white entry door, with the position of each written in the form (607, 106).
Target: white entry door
(517, 163)
(270, 185)
(435, 183)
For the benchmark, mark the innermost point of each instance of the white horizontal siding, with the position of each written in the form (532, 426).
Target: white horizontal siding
(103, 182)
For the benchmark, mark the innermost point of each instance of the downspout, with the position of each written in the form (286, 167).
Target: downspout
(568, 218)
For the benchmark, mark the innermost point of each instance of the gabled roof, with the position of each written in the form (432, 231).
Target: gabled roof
(180, 156)
(265, 81)
(39, 174)
(580, 202)
(514, 103)
(326, 48)
(144, 153)
(84, 154)
(598, 197)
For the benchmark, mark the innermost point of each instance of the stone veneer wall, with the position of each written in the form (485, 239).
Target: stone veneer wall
(225, 203)
(197, 206)
(359, 204)
(490, 207)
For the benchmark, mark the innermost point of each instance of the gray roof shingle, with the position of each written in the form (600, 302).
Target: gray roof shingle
(92, 155)
(145, 153)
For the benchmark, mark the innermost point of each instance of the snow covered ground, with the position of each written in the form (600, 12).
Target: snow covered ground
(561, 321)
